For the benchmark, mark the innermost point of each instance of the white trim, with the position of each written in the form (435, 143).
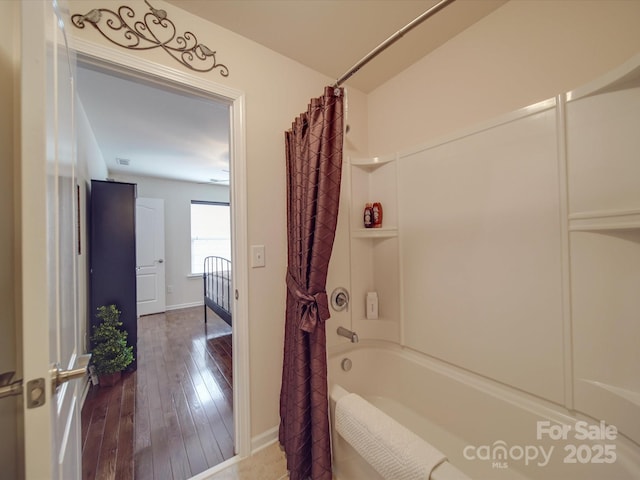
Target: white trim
(259, 442)
(384, 232)
(239, 253)
(119, 58)
(565, 250)
(210, 473)
(599, 214)
(133, 64)
(610, 81)
(399, 203)
(604, 220)
(623, 222)
(265, 439)
(370, 164)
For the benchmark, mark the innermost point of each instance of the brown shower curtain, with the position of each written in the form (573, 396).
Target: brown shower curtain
(314, 170)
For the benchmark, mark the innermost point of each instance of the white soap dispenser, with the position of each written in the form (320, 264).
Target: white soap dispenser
(372, 305)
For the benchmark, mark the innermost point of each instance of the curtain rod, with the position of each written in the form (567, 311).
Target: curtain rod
(392, 39)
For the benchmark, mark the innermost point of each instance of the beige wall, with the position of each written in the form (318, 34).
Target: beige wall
(91, 165)
(524, 52)
(90, 160)
(9, 134)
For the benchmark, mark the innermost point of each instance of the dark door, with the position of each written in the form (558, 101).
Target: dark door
(113, 253)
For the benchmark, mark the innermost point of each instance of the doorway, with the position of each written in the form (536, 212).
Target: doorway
(126, 67)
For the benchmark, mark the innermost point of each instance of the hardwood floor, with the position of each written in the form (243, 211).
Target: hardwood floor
(107, 431)
(173, 417)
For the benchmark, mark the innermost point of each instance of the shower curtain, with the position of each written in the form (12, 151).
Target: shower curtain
(314, 170)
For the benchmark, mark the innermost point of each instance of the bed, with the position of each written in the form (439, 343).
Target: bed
(217, 287)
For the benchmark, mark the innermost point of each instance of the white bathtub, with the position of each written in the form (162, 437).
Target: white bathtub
(487, 430)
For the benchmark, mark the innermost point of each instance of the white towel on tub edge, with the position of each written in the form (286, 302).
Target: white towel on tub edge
(391, 449)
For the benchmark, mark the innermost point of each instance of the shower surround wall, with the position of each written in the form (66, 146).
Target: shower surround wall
(519, 250)
(481, 238)
(485, 227)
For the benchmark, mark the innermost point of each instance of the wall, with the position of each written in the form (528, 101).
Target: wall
(481, 254)
(474, 208)
(276, 89)
(524, 52)
(91, 165)
(603, 184)
(9, 152)
(177, 196)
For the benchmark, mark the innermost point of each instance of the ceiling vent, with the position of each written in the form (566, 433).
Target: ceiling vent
(123, 161)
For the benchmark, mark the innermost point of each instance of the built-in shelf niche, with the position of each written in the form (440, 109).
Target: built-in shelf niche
(374, 251)
(602, 152)
(604, 221)
(374, 232)
(603, 148)
(374, 180)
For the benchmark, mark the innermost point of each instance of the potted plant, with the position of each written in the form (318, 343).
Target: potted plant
(111, 354)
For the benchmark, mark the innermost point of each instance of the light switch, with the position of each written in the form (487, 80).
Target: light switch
(257, 256)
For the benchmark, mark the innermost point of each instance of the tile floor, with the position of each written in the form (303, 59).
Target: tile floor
(267, 464)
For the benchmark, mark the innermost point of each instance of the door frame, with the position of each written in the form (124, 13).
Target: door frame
(130, 65)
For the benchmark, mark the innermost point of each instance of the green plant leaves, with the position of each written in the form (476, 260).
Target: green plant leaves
(110, 352)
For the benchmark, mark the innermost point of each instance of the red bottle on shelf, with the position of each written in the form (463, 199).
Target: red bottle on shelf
(377, 215)
(368, 216)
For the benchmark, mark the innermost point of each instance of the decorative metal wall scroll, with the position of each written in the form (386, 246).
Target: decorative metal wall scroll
(153, 30)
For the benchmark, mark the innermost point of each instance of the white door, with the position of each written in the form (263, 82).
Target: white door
(49, 246)
(150, 265)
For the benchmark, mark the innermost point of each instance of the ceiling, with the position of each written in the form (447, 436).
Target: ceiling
(172, 134)
(149, 130)
(330, 36)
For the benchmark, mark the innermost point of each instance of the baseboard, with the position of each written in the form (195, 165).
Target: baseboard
(211, 472)
(264, 439)
(184, 305)
(259, 442)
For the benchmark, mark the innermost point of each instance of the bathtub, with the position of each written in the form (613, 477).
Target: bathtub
(487, 430)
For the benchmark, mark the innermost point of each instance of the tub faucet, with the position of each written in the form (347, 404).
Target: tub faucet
(343, 332)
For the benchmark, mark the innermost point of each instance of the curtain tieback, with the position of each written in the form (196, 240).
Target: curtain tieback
(315, 306)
